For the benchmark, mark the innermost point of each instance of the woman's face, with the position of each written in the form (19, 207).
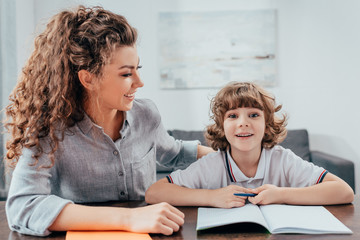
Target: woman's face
(120, 80)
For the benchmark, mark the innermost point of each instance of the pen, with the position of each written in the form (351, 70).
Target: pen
(245, 194)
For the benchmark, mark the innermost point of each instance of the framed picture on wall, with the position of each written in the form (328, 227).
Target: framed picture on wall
(209, 49)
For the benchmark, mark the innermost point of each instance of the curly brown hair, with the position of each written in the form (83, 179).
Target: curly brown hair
(245, 94)
(49, 97)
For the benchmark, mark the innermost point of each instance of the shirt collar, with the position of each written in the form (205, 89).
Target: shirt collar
(86, 124)
(236, 175)
(128, 120)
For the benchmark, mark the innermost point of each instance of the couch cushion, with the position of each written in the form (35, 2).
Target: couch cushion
(188, 135)
(298, 142)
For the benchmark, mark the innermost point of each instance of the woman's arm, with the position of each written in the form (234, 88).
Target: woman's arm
(203, 150)
(160, 218)
(332, 190)
(163, 191)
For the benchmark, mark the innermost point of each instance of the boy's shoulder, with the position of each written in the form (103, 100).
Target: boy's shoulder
(210, 165)
(277, 149)
(279, 153)
(212, 157)
(215, 155)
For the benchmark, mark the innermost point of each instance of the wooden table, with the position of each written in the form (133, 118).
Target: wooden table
(349, 214)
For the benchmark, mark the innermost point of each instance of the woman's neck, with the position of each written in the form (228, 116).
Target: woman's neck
(112, 124)
(111, 121)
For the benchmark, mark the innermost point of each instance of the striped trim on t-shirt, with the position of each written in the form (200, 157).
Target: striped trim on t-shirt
(321, 177)
(228, 166)
(169, 179)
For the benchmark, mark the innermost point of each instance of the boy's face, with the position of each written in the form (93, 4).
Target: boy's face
(244, 129)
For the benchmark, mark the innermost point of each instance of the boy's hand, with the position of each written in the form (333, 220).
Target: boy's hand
(266, 194)
(225, 198)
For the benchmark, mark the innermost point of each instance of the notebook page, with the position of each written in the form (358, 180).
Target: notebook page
(213, 217)
(302, 219)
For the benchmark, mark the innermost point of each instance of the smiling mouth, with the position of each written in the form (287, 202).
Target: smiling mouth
(244, 135)
(130, 95)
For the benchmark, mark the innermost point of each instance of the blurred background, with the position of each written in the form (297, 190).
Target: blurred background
(317, 55)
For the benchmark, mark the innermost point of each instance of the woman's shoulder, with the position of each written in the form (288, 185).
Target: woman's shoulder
(144, 104)
(144, 109)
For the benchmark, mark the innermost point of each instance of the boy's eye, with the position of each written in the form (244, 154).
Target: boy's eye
(254, 115)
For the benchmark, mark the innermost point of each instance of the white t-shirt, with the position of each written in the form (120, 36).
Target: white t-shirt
(277, 166)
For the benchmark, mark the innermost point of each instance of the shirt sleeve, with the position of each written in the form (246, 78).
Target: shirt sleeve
(30, 207)
(194, 176)
(171, 152)
(206, 173)
(175, 153)
(301, 173)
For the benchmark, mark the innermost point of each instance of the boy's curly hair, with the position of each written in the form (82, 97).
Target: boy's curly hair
(245, 94)
(48, 97)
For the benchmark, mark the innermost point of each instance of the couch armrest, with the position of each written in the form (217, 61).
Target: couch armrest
(341, 167)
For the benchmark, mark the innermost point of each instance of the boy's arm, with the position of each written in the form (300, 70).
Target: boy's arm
(332, 190)
(163, 191)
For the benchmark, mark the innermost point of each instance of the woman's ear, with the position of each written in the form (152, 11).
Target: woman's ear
(86, 79)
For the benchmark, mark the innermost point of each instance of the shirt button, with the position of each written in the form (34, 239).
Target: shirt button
(115, 152)
(120, 173)
(122, 193)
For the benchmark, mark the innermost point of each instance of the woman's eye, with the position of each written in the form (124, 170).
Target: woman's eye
(127, 75)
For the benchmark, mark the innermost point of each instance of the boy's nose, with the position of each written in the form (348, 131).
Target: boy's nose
(243, 122)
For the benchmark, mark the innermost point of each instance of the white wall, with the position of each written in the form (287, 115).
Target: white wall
(318, 66)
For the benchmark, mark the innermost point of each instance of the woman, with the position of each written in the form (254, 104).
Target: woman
(79, 135)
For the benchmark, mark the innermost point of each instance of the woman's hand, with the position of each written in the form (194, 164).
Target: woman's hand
(158, 218)
(266, 194)
(225, 198)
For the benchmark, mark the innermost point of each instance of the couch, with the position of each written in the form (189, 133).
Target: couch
(297, 141)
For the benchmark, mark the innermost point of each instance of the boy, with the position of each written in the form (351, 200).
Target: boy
(246, 132)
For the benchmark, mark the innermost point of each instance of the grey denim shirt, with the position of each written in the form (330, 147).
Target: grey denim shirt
(91, 167)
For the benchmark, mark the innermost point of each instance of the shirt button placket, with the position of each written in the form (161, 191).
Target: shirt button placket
(121, 174)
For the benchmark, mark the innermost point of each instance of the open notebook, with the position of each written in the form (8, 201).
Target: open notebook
(276, 218)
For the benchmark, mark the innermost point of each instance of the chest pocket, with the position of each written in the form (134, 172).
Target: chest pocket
(144, 173)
